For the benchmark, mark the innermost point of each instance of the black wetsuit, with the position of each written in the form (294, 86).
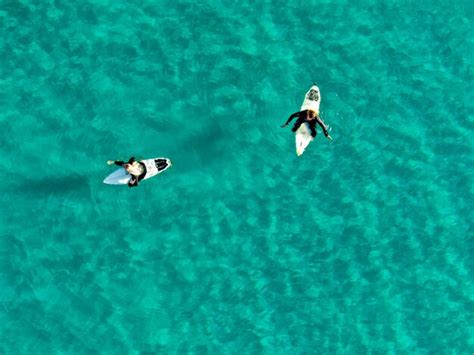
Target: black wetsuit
(303, 118)
(134, 179)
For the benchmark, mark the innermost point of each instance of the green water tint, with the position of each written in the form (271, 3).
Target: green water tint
(362, 245)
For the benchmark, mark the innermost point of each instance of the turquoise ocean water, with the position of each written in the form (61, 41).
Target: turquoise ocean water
(362, 245)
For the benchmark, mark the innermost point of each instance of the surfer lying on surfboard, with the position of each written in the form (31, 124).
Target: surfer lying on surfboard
(133, 172)
(311, 117)
(136, 169)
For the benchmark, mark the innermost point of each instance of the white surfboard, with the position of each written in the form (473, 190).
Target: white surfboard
(122, 177)
(303, 136)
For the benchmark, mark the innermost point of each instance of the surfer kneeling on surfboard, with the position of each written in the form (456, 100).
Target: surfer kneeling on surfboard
(136, 169)
(311, 117)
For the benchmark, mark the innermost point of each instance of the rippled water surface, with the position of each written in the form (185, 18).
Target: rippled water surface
(363, 244)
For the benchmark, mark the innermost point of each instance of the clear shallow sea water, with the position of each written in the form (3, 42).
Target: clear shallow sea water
(365, 244)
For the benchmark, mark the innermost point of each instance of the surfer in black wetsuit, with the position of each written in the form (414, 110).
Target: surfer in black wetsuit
(136, 169)
(311, 117)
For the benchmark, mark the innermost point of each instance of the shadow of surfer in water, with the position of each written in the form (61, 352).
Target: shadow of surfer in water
(55, 185)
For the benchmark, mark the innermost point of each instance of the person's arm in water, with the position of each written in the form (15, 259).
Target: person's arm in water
(324, 127)
(312, 127)
(120, 162)
(296, 114)
(133, 181)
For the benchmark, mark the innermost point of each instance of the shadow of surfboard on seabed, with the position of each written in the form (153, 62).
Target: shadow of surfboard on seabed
(54, 185)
